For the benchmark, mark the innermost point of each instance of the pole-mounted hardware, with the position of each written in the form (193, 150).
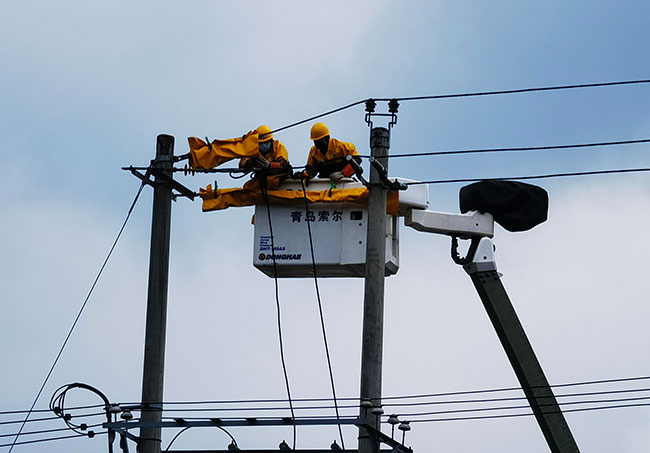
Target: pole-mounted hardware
(371, 105)
(358, 171)
(393, 107)
(361, 422)
(161, 178)
(383, 176)
(112, 410)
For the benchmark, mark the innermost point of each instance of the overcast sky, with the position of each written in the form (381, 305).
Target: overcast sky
(87, 86)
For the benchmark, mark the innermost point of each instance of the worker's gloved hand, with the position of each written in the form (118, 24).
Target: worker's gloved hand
(336, 177)
(302, 175)
(260, 162)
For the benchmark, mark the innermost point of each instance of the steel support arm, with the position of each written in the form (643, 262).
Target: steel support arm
(519, 350)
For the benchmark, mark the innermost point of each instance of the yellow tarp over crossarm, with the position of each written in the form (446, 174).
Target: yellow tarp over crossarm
(226, 198)
(204, 156)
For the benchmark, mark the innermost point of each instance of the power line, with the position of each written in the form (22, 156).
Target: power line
(406, 404)
(320, 311)
(277, 304)
(396, 397)
(36, 441)
(487, 417)
(44, 419)
(548, 176)
(43, 431)
(321, 115)
(515, 149)
(520, 90)
(91, 406)
(487, 409)
(469, 94)
(83, 306)
(353, 417)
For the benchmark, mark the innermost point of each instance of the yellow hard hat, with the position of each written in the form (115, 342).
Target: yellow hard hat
(264, 133)
(318, 131)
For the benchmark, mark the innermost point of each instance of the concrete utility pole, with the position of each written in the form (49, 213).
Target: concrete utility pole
(154, 345)
(373, 301)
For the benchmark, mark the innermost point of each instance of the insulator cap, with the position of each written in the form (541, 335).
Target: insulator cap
(393, 106)
(404, 426)
(377, 411)
(393, 419)
(366, 404)
(126, 414)
(114, 409)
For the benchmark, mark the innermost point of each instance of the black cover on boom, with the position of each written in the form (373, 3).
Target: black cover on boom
(516, 206)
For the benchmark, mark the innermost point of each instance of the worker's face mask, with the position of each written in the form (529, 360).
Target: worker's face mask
(322, 143)
(265, 147)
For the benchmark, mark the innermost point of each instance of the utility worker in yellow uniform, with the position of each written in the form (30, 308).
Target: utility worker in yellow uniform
(271, 164)
(327, 157)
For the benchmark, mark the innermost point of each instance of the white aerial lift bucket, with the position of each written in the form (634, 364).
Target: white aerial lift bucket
(338, 232)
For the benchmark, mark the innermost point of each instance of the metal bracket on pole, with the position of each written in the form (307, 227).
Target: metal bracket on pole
(383, 176)
(393, 107)
(379, 437)
(161, 178)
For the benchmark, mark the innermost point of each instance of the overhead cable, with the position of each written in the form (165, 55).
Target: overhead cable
(405, 404)
(44, 419)
(521, 178)
(49, 439)
(523, 148)
(83, 306)
(422, 395)
(320, 311)
(519, 90)
(487, 417)
(353, 417)
(90, 406)
(487, 409)
(43, 431)
(462, 95)
(277, 304)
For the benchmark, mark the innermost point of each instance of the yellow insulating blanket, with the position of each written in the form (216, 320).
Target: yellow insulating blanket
(226, 198)
(204, 156)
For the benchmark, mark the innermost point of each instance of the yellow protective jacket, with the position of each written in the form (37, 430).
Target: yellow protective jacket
(278, 154)
(204, 155)
(332, 159)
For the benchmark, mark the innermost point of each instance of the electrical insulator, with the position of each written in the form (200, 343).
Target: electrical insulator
(114, 409)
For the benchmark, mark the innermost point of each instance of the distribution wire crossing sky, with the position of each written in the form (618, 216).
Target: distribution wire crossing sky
(87, 87)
